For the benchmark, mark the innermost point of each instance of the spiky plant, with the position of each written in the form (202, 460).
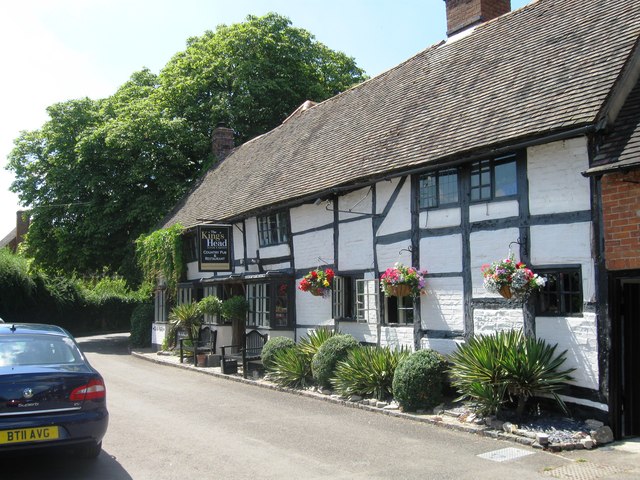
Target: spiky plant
(310, 344)
(290, 368)
(368, 371)
(188, 317)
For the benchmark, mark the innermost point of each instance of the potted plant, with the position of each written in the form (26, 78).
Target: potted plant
(317, 282)
(510, 279)
(402, 281)
(235, 309)
(188, 317)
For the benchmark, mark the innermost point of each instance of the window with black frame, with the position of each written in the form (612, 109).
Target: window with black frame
(439, 188)
(342, 297)
(562, 294)
(494, 178)
(399, 310)
(272, 229)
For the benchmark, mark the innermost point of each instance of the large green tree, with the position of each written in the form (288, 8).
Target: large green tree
(101, 172)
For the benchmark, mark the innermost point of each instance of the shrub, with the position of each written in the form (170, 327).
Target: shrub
(329, 354)
(368, 371)
(419, 380)
(290, 367)
(274, 345)
(486, 368)
(141, 321)
(310, 344)
(210, 305)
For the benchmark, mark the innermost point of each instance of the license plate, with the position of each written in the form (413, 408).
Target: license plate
(22, 435)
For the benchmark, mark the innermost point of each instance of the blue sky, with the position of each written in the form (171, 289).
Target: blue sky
(55, 50)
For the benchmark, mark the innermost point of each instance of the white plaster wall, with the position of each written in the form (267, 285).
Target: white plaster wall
(487, 322)
(565, 244)
(309, 246)
(442, 308)
(399, 216)
(490, 210)
(441, 254)
(363, 332)
(445, 346)
(579, 336)
(251, 232)
(555, 182)
(358, 201)
(306, 217)
(274, 251)
(440, 218)
(397, 337)
(312, 310)
(356, 245)
(487, 247)
(388, 255)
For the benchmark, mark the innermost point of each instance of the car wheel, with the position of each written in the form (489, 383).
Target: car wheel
(90, 451)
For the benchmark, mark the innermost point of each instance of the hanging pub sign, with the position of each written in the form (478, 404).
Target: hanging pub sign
(214, 248)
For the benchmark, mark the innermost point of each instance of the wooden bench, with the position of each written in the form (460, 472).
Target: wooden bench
(206, 344)
(249, 351)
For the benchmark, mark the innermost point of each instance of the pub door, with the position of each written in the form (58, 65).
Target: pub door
(626, 357)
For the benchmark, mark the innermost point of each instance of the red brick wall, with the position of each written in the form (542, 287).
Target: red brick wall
(463, 13)
(621, 211)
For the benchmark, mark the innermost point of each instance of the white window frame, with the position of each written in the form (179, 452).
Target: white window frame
(258, 297)
(367, 301)
(185, 295)
(403, 306)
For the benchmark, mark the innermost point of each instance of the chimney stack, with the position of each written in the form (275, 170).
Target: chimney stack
(463, 14)
(222, 141)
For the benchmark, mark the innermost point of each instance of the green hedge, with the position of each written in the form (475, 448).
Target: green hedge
(419, 380)
(79, 306)
(332, 351)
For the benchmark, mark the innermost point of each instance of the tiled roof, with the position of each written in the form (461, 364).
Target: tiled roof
(546, 67)
(621, 148)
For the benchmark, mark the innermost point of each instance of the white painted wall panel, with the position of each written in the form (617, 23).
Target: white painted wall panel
(486, 322)
(388, 255)
(397, 337)
(399, 217)
(356, 245)
(441, 218)
(479, 212)
(555, 183)
(565, 244)
(251, 232)
(441, 254)
(358, 201)
(310, 246)
(442, 308)
(363, 332)
(445, 346)
(579, 336)
(306, 217)
(274, 251)
(311, 310)
(487, 247)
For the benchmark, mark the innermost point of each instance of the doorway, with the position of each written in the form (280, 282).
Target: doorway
(625, 367)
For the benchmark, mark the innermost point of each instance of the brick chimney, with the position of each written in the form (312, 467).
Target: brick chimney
(222, 141)
(462, 14)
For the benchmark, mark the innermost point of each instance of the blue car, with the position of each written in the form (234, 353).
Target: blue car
(50, 396)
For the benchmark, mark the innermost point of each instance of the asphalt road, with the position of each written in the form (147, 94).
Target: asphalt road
(168, 423)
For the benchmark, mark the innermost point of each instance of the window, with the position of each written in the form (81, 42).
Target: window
(281, 318)
(439, 188)
(562, 294)
(272, 229)
(399, 310)
(495, 178)
(342, 298)
(367, 292)
(259, 304)
(185, 294)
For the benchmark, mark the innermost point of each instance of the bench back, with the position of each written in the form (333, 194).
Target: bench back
(254, 341)
(208, 337)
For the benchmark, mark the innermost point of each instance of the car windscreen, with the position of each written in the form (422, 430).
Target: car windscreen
(20, 350)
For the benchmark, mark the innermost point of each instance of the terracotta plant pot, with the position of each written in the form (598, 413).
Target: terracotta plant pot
(399, 290)
(202, 360)
(506, 292)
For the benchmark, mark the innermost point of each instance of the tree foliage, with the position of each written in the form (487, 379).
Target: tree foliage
(100, 173)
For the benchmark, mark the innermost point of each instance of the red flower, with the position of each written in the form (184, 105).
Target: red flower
(314, 274)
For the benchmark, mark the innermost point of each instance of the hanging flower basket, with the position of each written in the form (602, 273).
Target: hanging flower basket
(511, 279)
(505, 291)
(317, 282)
(402, 281)
(399, 290)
